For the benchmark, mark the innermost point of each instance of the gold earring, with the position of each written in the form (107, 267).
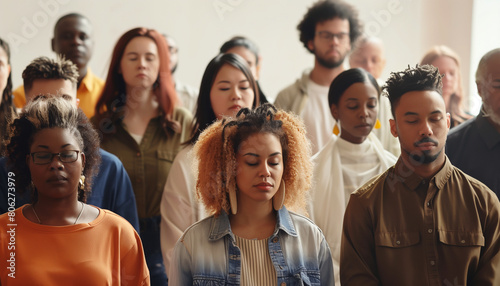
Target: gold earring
(81, 183)
(279, 197)
(377, 124)
(336, 129)
(233, 201)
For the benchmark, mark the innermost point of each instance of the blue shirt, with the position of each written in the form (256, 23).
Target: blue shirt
(111, 189)
(474, 147)
(207, 253)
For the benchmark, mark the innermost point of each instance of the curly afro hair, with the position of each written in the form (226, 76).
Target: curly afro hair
(50, 111)
(216, 151)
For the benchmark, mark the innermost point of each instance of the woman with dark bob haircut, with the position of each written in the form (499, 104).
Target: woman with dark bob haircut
(226, 87)
(251, 238)
(141, 124)
(54, 153)
(350, 158)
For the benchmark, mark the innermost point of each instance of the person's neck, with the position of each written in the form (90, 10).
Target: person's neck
(82, 72)
(62, 211)
(425, 171)
(254, 220)
(324, 76)
(142, 102)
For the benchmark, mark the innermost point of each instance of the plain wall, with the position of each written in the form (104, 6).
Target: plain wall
(408, 28)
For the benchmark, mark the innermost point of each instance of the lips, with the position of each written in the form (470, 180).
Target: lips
(56, 179)
(265, 186)
(235, 107)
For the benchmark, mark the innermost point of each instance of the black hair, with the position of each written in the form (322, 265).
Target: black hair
(419, 78)
(325, 10)
(7, 108)
(347, 78)
(204, 114)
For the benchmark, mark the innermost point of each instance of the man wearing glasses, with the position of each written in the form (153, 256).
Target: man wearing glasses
(328, 30)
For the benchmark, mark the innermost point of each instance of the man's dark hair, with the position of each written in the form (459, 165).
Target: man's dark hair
(70, 15)
(325, 10)
(46, 68)
(419, 78)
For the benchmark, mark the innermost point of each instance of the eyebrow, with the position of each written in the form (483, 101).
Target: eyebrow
(227, 81)
(47, 147)
(257, 155)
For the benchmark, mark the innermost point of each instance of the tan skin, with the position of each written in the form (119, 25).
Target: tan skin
(57, 182)
(259, 172)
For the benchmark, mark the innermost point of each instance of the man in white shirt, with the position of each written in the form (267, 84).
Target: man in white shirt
(328, 30)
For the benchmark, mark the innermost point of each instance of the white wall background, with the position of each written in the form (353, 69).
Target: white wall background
(408, 27)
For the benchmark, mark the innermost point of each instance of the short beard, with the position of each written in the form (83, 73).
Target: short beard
(490, 113)
(329, 64)
(425, 158)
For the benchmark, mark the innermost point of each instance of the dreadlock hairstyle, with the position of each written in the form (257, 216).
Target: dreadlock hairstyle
(419, 78)
(50, 111)
(218, 145)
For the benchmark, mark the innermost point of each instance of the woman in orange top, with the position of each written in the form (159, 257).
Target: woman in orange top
(58, 239)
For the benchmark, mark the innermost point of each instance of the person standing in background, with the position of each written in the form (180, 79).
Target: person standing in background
(328, 30)
(73, 39)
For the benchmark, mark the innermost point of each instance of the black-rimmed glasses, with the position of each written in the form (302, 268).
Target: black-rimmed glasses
(43, 158)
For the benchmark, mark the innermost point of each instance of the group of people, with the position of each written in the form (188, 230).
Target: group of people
(139, 179)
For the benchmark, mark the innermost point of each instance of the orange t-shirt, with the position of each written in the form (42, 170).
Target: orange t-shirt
(106, 251)
(89, 92)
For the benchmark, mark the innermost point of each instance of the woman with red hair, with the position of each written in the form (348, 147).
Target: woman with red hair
(140, 122)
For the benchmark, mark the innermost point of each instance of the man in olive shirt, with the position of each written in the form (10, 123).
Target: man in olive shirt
(423, 221)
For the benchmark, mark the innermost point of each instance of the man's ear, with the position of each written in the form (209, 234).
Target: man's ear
(310, 45)
(394, 128)
(52, 44)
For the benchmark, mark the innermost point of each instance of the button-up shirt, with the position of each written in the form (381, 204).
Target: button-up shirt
(149, 162)
(400, 229)
(207, 253)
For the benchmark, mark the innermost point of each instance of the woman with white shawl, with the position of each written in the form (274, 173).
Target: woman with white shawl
(350, 158)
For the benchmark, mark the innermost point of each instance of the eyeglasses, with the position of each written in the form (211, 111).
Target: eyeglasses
(327, 36)
(43, 158)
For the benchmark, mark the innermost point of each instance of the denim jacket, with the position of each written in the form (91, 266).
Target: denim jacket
(207, 253)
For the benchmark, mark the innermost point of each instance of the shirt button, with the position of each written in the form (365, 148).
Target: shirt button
(398, 242)
(138, 154)
(462, 241)
(429, 204)
(429, 230)
(275, 239)
(433, 262)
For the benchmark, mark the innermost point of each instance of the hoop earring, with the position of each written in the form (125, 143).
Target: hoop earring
(377, 124)
(279, 197)
(336, 129)
(233, 202)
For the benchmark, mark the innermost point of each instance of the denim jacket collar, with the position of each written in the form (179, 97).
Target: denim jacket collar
(221, 227)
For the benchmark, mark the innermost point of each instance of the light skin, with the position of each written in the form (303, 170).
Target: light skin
(139, 66)
(488, 88)
(259, 172)
(230, 92)
(73, 39)
(329, 53)
(4, 71)
(449, 68)
(249, 57)
(421, 124)
(52, 86)
(369, 56)
(56, 182)
(357, 112)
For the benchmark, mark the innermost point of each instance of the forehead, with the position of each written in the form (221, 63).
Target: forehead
(229, 71)
(52, 86)
(141, 43)
(420, 103)
(360, 90)
(493, 66)
(335, 25)
(54, 137)
(73, 24)
(260, 143)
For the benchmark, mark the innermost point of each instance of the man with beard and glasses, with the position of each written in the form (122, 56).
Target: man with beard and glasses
(73, 40)
(474, 146)
(327, 30)
(423, 221)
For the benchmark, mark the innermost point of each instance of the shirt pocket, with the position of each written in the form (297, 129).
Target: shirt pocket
(461, 238)
(208, 281)
(397, 239)
(308, 277)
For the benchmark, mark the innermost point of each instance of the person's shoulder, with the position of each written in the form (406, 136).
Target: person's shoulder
(109, 160)
(469, 183)
(113, 220)
(197, 229)
(182, 114)
(372, 186)
(461, 130)
(305, 226)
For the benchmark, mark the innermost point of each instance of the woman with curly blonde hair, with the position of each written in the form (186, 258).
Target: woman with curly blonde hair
(448, 63)
(250, 170)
